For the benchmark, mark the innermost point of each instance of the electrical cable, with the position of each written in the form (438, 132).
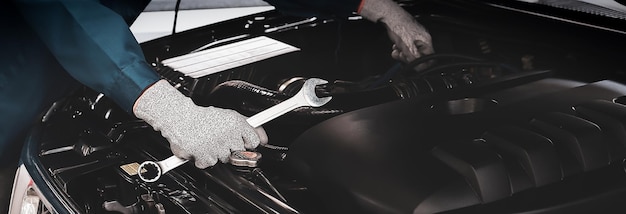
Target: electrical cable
(400, 68)
(387, 75)
(483, 64)
(430, 57)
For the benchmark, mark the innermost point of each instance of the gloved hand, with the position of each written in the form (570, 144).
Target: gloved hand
(411, 40)
(201, 134)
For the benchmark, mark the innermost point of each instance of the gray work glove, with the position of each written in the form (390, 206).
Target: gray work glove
(411, 40)
(201, 134)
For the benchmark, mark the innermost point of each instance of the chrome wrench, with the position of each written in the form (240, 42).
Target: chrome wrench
(305, 97)
(150, 171)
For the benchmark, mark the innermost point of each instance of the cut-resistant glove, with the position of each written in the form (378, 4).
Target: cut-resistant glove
(411, 40)
(203, 135)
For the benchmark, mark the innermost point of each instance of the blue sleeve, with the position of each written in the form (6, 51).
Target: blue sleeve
(316, 7)
(93, 44)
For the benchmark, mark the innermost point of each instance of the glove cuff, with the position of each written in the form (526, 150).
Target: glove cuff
(158, 102)
(385, 11)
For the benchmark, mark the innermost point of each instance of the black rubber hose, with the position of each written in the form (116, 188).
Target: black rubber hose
(251, 99)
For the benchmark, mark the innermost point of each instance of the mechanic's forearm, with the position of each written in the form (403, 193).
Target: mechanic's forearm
(380, 10)
(93, 44)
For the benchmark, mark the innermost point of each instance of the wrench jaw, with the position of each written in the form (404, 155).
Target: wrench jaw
(310, 96)
(149, 171)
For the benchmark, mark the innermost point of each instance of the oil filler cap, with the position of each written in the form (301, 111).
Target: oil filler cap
(245, 158)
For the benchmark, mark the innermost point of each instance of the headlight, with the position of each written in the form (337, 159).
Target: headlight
(26, 197)
(31, 202)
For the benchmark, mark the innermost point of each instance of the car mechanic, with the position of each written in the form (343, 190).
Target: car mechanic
(55, 45)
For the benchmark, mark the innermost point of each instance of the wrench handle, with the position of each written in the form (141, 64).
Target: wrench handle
(171, 163)
(255, 121)
(273, 112)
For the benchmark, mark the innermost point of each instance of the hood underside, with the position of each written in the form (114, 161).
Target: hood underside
(515, 114)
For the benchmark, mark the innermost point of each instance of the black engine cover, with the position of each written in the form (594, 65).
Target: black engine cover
(562, 141)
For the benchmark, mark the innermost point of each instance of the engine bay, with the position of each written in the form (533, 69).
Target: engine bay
(507, 116)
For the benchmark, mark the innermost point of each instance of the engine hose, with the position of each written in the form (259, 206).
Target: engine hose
(243, 87)
(251, 99)
(348, 96)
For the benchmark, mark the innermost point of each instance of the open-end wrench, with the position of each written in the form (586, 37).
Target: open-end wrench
(305, 97)
(150, 171)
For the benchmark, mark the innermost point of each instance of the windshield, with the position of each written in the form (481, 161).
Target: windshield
(609, 8)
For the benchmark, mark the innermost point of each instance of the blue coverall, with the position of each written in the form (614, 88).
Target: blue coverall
(52, 46)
